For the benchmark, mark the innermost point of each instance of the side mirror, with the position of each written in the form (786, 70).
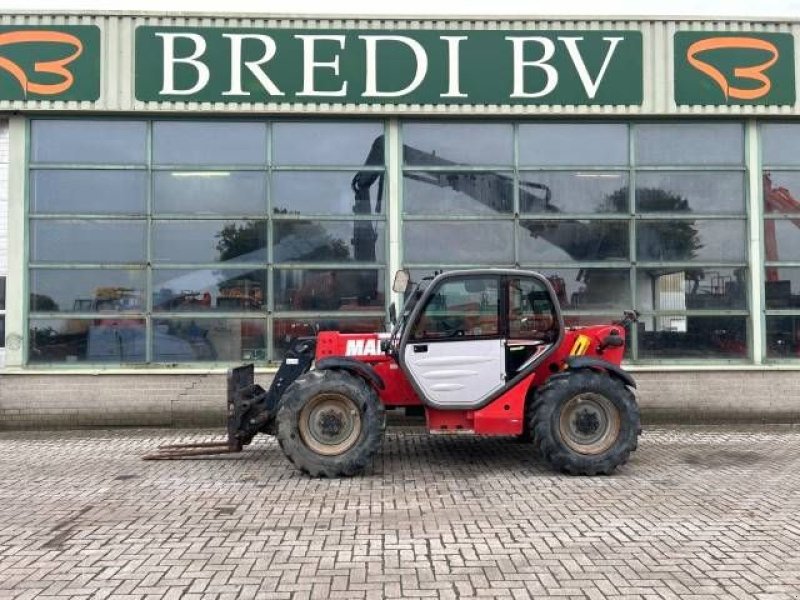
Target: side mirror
(392, 314)
(401, 279)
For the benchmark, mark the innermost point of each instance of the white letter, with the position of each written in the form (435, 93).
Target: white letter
(309, 64)
(572, 47)
(203, 74)
(372, 75)
(453, 80)
(253, 65)
(520, 63)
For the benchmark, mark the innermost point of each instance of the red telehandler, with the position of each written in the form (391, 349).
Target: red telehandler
(483, 351)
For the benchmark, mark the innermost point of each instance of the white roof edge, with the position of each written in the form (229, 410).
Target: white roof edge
(397, 17)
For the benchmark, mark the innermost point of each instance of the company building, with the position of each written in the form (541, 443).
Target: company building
(182, 194)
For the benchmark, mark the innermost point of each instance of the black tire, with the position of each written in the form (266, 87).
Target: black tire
(308, 435)
(585, 422)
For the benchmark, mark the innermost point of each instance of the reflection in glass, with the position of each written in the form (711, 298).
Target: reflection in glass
(454, 193)
(688, 288)
(87, 290)
(781, 191)
(589, 289)
(465, 308)
(328, 241)
(97, 241)
(209, 241)
(684, 191)
(326, 192)
(329, 289)
(210, 192)
(676, 336)
(285, 330)
(573, 240)
(689, 144)
(573, 144)
(88, 192)
(780, 143)
(207, 143)
(327, 143)
(691, 240)
(783, 336)
(209, 289)
(81, 340)
(84, 141)
(437, 144)
(466, 242)
(573, 192)
(206, 340)
(782, 287)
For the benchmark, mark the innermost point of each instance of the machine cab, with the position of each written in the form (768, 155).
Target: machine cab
(473, 334)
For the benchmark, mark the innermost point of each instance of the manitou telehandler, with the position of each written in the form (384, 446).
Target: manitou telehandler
(484, 352)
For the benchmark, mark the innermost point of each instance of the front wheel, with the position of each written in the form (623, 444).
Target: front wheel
(585, 422)
(330, 423)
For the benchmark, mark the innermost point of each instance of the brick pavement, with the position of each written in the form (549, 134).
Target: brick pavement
(698, 513)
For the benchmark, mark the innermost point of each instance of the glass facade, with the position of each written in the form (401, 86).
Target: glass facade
(216, 241)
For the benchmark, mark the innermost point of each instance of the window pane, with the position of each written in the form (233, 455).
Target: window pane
(2, 331)
(88, 241)
(83, 141)
(780, 143)
(577, 192)
(783, 336)
(531, 312)
(691, 240)
(590, 289)
(781, 190)
(465, 308)
(209, 289)
(674, 336)
(320, 143)
(782, 287)
(568, 144)
(210, 192)
(692, 289)
(206, 143)
(79, 340)
(326, 193)
(88, 192)
(87, 290)
(440, 144)
(466, 243)
(681, 191)
(566, 241)
(300, 289)
(328, 241)
(285, 330)
(782, 239)
(2, 292)
(689, 144)
(209, 241)
(208, 340)
(453, 193)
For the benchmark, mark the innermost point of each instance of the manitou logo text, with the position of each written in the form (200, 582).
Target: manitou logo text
(369, 347)
(62, 78)
(754, 73)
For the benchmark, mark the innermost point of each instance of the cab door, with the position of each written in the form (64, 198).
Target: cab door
(455, 352)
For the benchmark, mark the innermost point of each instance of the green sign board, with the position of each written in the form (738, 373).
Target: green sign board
(388, 67)
(49, 62)
(734, 67)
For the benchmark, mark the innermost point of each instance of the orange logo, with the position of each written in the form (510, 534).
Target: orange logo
(55, 67)
(754, 73)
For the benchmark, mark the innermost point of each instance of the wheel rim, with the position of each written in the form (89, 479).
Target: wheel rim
(589, 423)
(330, 424)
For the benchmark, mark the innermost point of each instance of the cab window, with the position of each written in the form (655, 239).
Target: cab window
(532, 314)
(461, 309)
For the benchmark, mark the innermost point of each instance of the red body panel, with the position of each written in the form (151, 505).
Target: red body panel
(504, 415)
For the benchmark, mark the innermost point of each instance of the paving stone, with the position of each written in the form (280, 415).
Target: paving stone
(698, 513)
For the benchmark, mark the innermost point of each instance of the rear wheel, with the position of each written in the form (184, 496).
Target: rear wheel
(330, 423)
(585, 422)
